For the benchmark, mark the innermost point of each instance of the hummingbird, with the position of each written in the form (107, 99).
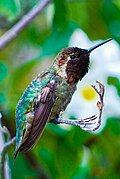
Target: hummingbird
(49, 94)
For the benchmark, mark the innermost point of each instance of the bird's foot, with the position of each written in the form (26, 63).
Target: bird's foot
(82, 123)
(87, 124)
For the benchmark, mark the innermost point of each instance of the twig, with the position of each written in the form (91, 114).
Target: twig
(7, 145)
(100, 104)
(4, 167)
(3, 155)
(5, 131)
(13, 32)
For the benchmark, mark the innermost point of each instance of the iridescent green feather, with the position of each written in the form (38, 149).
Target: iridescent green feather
(27, 102)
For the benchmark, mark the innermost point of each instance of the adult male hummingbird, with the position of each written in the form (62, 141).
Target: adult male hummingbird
(49, 94)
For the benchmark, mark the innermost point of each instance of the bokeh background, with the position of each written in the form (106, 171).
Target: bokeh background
(64, 151)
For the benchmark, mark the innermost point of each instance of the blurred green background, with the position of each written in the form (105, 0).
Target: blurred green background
(60, 153)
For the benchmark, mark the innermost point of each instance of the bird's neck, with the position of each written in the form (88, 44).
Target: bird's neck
(61, 71)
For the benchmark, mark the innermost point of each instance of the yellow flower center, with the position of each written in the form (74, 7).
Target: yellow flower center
(89, 93)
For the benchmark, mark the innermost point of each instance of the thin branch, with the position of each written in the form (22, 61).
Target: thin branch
(13, 32)
(100, 104)
(7, 145)
(4, 146)
(5, 131)
(3, 155)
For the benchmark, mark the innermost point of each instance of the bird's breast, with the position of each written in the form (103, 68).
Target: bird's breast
(63, 99)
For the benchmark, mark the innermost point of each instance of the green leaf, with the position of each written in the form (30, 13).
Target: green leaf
(86, 15)
(3, 71)
(22, 169)
(113, 124)
(9, 8)
(112, 19)
(12, 8)
(26, 4)
(20, 73)
(17, 83)
(114, 81)
(58, 40)
(60, 16)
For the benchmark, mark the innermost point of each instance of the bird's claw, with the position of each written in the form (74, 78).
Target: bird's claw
(89, 119)
(87, 124)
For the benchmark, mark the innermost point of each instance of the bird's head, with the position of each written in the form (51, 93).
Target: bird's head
(72, 63)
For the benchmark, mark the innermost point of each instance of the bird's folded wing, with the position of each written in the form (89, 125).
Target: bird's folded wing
(41, 115)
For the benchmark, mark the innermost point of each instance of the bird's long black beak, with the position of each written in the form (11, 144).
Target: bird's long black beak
(98, 45)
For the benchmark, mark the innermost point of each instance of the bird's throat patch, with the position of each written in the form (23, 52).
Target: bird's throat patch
(71, 79)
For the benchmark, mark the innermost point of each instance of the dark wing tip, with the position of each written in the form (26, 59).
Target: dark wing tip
(16, 153)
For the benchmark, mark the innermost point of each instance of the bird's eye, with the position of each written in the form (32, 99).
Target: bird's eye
(72, 57)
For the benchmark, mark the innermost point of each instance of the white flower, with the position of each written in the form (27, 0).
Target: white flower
(104, 61)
